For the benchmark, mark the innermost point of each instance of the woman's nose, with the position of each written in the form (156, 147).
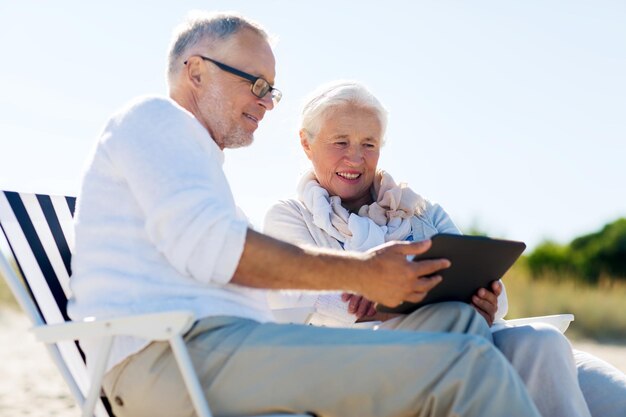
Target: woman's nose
(354, 155)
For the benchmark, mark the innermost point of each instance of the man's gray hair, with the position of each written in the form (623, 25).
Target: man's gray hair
(205, 26)
(333, 95)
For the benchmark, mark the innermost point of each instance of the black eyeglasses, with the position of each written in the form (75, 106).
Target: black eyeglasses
(260, 87)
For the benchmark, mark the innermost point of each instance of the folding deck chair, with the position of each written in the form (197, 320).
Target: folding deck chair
(39, 231)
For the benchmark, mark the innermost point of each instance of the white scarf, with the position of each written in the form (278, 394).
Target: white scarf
(387, 219)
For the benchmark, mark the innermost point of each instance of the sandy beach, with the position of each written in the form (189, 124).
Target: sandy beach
(31, 386)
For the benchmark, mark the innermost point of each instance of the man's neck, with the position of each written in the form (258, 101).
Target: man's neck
(187, 102)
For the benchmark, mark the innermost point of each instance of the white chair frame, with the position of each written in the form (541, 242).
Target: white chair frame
(54, 329)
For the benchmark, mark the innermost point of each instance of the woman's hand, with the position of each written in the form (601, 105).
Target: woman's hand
(358, 305)
(486, 302)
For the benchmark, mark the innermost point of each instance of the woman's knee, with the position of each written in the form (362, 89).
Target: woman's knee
(537, 337)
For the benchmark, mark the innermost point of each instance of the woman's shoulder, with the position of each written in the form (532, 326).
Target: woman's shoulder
(287, 210)
(427, 207)
(436, 217)
(291, 221)
(287, 205)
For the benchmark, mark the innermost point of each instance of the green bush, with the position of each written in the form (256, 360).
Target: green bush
(599, 308)
(602, 253)
(586, 258)
(550, 257)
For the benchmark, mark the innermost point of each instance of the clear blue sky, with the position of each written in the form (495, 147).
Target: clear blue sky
(511, 114)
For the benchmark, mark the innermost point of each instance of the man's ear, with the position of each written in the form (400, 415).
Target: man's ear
(195, 70)
(304, 141)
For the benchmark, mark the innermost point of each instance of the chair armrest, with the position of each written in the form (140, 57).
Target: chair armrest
(560, 321)
(154, 326)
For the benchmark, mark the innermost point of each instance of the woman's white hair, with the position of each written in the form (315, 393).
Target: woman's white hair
(200, 26)
(333, 95)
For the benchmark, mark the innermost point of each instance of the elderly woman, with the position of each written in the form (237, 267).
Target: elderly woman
(346, 202)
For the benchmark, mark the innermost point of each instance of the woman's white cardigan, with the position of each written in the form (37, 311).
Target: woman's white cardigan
(291, 221)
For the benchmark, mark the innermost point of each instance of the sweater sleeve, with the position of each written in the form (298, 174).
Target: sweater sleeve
(173, 170)
(444, 224)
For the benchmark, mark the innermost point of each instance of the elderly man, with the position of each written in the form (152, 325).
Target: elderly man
(157, 229)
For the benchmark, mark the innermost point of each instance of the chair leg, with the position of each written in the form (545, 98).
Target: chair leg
(96, 381)
(58, 359)
(189, 376)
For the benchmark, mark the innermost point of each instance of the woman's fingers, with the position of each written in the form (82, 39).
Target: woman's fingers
(359, 305)
(496, 287)
(363, 308)
(486, 303)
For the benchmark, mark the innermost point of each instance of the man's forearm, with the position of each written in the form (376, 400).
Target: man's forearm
(270, 263)
(383, 274)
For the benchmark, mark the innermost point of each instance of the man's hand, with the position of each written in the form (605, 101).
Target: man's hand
(391, 279)
(486, 302)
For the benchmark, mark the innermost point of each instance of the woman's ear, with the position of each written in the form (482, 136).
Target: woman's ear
(304, 141)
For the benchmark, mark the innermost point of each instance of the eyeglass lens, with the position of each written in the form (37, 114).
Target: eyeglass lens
(261, 87)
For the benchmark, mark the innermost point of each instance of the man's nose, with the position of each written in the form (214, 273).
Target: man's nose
(267, 101)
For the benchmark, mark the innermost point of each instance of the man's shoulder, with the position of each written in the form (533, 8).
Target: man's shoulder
(151, 114)
(153, 121)
(149, 105)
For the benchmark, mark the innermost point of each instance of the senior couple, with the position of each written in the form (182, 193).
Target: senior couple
(175, 240)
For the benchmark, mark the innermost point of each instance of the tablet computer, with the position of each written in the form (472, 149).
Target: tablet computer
(477, 261)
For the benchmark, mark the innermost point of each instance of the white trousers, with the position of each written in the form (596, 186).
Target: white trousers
(544, 360)
(603, 385)
(561, 382)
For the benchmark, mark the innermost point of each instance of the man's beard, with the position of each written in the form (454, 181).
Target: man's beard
(238, 138)
(230, 135)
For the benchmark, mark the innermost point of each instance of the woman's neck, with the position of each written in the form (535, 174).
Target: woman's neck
(354, 205)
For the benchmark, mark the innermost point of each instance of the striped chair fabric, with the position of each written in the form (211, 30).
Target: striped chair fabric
(40, 233)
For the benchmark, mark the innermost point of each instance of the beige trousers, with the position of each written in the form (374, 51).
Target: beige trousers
(248, 368)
